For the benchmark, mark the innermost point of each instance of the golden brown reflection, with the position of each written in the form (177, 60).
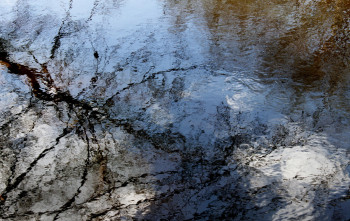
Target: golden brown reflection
(306, 42)
(306, 39)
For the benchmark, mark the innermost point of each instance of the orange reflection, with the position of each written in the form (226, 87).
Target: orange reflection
(4, 64)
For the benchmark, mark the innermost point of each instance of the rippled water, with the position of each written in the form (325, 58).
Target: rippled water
(174, 110)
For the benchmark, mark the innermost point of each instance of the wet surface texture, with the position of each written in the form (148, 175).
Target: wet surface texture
(174, 110)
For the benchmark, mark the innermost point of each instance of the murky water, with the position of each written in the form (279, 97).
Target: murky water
(174, 110)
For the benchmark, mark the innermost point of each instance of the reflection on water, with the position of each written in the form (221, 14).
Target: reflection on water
(176, 110)
(302, 39)
(299, 44)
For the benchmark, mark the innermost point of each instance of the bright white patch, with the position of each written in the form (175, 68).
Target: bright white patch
(305, 164)
(129, 196)
(300, 170)
(299, 162)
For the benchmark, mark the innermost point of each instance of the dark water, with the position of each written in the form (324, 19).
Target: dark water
(174, 110)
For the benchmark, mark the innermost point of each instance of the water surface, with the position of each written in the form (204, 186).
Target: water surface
(174, 110)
